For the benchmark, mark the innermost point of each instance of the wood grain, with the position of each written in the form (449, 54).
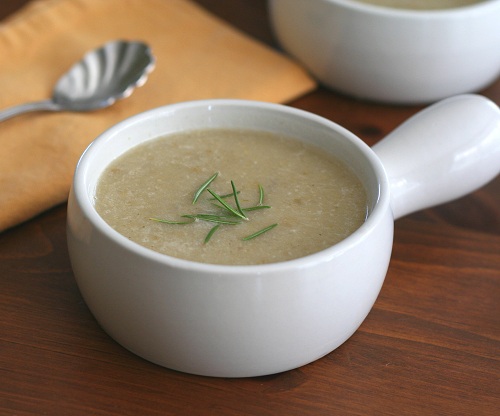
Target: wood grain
(430, 346)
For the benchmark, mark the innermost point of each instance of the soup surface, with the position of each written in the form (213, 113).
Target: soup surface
(422, 4)
(315, 200)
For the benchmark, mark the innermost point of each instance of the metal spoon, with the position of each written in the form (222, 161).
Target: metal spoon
(103, 76)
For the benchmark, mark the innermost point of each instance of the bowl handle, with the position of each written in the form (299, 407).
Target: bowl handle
(442, 153)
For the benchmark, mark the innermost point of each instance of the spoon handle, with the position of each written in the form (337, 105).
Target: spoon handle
(45, 105)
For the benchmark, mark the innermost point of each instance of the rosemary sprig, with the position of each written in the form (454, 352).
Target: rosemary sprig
(233, 216)
(203, 187)
(256, 234)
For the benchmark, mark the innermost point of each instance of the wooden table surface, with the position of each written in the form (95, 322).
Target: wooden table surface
(430, 346)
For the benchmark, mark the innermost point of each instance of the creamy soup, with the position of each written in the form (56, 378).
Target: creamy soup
(422, 4)
(315, 200)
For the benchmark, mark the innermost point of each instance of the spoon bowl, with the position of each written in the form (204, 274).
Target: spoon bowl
(102, 77)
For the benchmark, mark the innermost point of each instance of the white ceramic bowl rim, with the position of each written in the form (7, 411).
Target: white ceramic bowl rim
(455, 12)
(375, 216)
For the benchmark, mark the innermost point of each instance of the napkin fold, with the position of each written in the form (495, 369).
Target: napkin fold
(198, 56)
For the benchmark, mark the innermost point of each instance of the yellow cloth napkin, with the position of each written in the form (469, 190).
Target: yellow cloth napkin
(197, 56)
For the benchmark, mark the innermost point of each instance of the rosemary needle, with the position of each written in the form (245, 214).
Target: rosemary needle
(223, 196)
(261, 194)
(249, 237)
(237, 202)
(218, 219)
(257, 207)
(211, 233)
(173, 222)
(204, 186)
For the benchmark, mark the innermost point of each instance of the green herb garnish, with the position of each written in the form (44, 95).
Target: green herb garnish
(230, 215)
(219, 219)
(211, 233)
(204, 186)
(261, 194)
(224, 196)
(172, 222)
(256, 208)
(227, 206)
(249, 237)
(237, 202)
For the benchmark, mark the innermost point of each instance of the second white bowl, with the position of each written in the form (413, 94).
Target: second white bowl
(392, 55)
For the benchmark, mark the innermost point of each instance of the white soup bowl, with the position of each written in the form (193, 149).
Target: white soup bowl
(392, 55)
(238, 321)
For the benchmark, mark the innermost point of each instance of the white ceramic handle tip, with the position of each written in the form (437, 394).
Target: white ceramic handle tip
(442, 153)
